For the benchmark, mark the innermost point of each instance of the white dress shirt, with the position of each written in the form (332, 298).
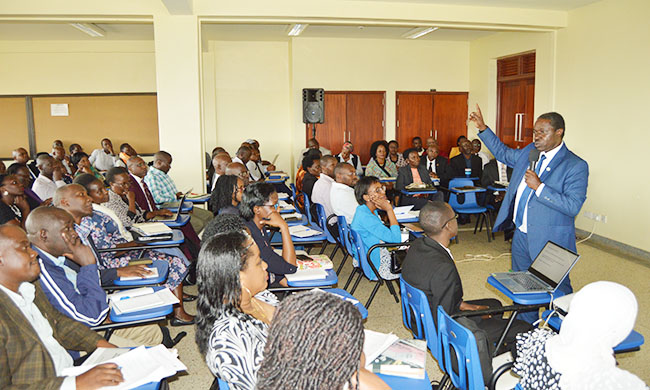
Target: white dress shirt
(215, 177)
(255, 169)
(484, 157)
(344, 203)
(321, 193)
(25, 302)
(431, 164)
(45, 188)
(548, 157)
(102, 160)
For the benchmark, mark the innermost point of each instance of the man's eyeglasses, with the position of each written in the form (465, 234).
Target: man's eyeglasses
(451, 219)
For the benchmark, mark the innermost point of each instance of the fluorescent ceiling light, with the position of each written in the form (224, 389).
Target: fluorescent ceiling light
(297, 29)
(91, 29)
(418, 32)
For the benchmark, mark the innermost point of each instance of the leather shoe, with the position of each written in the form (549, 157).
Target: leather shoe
(189, 298)
(178, 322)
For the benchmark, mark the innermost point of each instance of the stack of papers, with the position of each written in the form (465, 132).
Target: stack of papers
(138, 299)
(302, 231)
(292, 215)
(282, 195)
(139, 366)
(151, 228)
(402, 210)
(306, 274)
(375, 343)
(153, 273)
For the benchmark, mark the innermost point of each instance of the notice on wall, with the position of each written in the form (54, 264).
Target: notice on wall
(58, 109)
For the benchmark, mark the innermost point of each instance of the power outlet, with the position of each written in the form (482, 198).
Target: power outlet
(595, 217)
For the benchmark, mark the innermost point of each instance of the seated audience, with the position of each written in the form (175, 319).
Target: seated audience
(49, 178)
(300, 176)
(416, 143)
(371, 196)
(256, 146)
(80, 160)
(72, 285)
(321, 192)
(346, 156)
(163, 189)
(435, 164)
(126, 152)
(227, 195)
(243, 156)
(394, 155)
(254, 166)
(495, 171)
(311, 164)
(14, 207)
(429, 266)
(259, 207)
(234, 309)
(95, 226)
(57, 142)
(316, 343)
(34, 335)
(379, 165)
(21, 156)
(465, 159)
(103, 159)
(414, 173)
(455, 151)
(312, 144)
(219, 163)
(59, 154)
(344, 203)
(581, 356)
(476, 149)
(238, 169)
(24, 177)
(75, 148)
(223, 223)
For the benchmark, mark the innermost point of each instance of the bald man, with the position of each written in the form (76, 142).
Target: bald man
(238, 169)
(49, 179)
(344, 203)
(219, 163)
(34, 335)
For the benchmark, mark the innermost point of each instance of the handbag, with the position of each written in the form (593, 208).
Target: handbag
(397, 257)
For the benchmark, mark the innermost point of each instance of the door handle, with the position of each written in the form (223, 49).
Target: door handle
(436, 135)
(516, 127)
(521, 127)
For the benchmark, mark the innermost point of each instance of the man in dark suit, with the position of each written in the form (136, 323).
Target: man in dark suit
(435, 164)
(495, 171)
(413, 173)
(34, 335)
(466, 159)
(429, 266)
(541, 204)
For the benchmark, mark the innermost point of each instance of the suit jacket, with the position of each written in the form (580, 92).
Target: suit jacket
(457, 166)
(428, 267)
(551, 216)
(491, 173)
(140, 197)
(442, 168)
(24, 360)
(405, 177)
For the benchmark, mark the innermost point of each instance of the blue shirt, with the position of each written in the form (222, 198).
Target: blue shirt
(373, 231)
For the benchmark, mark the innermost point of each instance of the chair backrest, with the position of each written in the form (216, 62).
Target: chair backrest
(344, 237)
(470, 197)
(294, 191)
(307, 204)
(321, 221)
(416, 315)
(361, 255)
(453, 335)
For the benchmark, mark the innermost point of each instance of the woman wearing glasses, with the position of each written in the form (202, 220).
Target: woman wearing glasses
(234, 309)
(371, 196)
(259, 207)
(226, 195)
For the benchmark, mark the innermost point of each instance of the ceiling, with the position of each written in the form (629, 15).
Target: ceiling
(279, 32)
(63, 31)
(563, 5)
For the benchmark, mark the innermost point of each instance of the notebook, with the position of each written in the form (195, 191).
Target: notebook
(548, 270)
(175, 215)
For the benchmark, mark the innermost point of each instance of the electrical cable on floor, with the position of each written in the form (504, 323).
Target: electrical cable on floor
(589, 236)
(481, 257)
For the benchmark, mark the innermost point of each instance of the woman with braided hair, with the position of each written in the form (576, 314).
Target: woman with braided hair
(234, 308)
(226, 195)
(316, 342)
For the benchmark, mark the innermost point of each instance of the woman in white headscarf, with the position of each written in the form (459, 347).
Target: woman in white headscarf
(581, 356)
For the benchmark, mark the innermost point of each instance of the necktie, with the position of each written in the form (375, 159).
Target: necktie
(525, 196)
(148, 196)
(430, 166)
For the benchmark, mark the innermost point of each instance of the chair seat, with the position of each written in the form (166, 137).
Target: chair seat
(470, 210)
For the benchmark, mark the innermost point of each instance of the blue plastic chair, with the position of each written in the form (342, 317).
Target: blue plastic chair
(470, 205)
(416, 316)
(367, 268)
(321, 221)
(344, 241)
(307, 204)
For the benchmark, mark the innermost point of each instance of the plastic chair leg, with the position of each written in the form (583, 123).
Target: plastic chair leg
(372, 294)
(354, 271)
(478, 219)
(336, 248)
(488, 229)
(345, 257)
(322, 247)
(389, 284)
(356, 282)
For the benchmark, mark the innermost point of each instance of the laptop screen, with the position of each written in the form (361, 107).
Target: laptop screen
(553, 263)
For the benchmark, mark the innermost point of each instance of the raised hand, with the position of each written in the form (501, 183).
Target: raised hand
(477, 118)
(274, 219)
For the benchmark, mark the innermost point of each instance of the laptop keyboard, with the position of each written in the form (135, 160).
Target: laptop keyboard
(528, 283)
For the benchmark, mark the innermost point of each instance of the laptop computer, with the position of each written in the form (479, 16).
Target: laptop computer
(175, 215)
(174, 204)
(548, 270)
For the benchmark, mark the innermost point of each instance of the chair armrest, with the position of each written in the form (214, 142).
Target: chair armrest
(497, 374)
(386, 245)
(497, 310)
(117, 325)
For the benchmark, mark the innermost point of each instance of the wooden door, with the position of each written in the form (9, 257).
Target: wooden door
(516, 99)
(509, 109)
(365, 121)
(449, 118)
(332, 133)
(528, 91)
(414, 117)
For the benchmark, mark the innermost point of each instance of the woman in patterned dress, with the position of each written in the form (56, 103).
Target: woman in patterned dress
(234, 308)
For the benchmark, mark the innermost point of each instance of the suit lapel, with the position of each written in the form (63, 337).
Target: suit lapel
(559, 157)
(15, 315)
